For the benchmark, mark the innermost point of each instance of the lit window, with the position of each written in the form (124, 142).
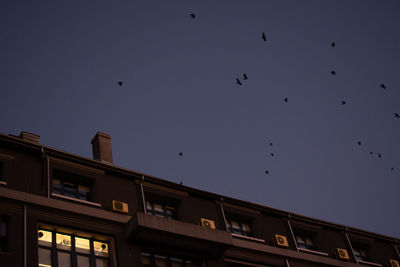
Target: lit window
(160, 210)
(240, 228)
(71, 250)
(156, 260)
(4, 233)
(71, 185)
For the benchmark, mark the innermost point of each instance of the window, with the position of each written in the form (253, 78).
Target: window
(58, 249)
(161, 210)
(360, 252)
(4, 233)
(1, 171)
(305, 241)
(155, 260)
(239, 227)
(70, 185)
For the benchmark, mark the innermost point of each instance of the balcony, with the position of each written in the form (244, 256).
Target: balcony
(180, 235)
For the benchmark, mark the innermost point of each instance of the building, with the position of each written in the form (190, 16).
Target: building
(61, 209)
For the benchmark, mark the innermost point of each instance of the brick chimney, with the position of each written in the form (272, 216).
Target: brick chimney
(29, 137)
(101, 144)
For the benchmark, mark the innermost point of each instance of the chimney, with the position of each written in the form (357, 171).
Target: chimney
(101, 145)
(29, 137)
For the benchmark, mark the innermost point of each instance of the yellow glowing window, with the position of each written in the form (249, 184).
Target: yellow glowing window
(82, 245)
(63, 241)
(100, 248)
(44, 238)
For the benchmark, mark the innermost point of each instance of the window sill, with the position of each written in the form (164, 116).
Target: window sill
(76, 200)
(314, 252)
(369, 263)
(3, 183)
(248, 238)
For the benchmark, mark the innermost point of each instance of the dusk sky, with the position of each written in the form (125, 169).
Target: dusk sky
(61, 61)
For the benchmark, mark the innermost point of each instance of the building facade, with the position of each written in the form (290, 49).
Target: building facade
(59, 209)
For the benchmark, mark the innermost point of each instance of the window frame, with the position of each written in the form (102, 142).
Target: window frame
(240, 221)
(74, 182)
(54, 248)
(168, 209)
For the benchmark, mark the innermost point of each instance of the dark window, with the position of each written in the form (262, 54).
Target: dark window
(160, 209)
(1, 171)
(156, 260)
(360, 252)
(71, 185)
(4, 233)
(62, 249)
(239, 227)
(305, 240)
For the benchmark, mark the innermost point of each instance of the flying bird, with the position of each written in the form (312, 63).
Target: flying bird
(359, 143)
(333, 72)
(264, 37)
(397, 115)
(238, 81)
(286, 99)
(371, 153)
(272, 154)
(120, 83)
(192, 15)
(180, 154)
(244, 76)
(267, 171)
(383, 86)
(333, 44)
(343, 102)
(392, 169)
(379, 155)
(270, 144)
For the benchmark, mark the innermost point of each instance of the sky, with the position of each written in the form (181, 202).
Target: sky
(61, 61)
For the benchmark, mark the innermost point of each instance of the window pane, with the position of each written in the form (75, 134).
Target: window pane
(235, 225)
(64, 259)
(161, 261)
(83, 189)
(146, 258)
(309, 242)
(44, 257)
(44, 238)
(100, 248)
(63, 241)
(82, 245)
(101, 262)
(158, 208)
(83, 261)
(176, 262)
(246, 227)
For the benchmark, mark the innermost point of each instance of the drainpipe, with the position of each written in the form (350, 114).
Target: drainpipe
(287, 263)
(349, 243)
(291, 232)
(223, 214)
(47, 172)
(25, 209)
(142, 193)
(398, 253)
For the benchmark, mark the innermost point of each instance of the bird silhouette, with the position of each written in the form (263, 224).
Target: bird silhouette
(333, 44)
(379, 155)
(272, 154)
(371, 153)
(264, 37)
(238, 81)
(359, 143)
(271, 144)
(333, 72)
(343, 102)
(397, 115)
(180, 154)
(286, 99)
(392, 169)
(383, 86)
(192, 15)
(244, 76)
(181, 183)
(267, 171)
(120, 83)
